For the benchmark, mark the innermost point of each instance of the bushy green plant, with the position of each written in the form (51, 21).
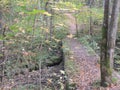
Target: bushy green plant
(28, 42)
(90, 44)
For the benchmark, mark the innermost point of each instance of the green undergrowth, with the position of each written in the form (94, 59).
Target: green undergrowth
(117, 53)
(96, 84)
(30, 56)
(90, 44)
(69, 59)
(28, 42)
(29, 87)
(70, 66)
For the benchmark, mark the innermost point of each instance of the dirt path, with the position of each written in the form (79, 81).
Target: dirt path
(86, 64)
(71, 24)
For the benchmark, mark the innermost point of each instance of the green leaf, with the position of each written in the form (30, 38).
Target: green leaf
(35, 11)
(1, 37)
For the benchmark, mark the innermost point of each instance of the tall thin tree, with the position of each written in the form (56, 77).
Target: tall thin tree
(105, 64)
(108, 41)
(113, 30)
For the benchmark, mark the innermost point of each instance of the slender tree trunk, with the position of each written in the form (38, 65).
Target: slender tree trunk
(113, 30)
(46, 19)
(108, 41)
(51, 23)
(76, 24)
(105, 63)
(3, 58)
(0, 21)
(49, 20)
(1, 46)
(90, 19)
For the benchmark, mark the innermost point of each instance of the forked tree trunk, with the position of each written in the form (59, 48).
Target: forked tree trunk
(113, 30)
(108, 42)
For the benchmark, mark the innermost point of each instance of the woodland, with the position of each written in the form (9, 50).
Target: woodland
(59, 45)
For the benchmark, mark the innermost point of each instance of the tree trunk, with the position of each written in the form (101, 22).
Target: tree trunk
(113, 30)
(90, 19)
(108, 41)
(105, 64)
(51, 23)
(1, 45)
(0, 21)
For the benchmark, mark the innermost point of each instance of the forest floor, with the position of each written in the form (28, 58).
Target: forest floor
(86, 78)
(86, 63)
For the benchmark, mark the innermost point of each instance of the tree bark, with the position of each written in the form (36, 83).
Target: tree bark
(90, 19)
(113, 30)
(0, 21)
(1, 45)
(108, 41)
(105, 64)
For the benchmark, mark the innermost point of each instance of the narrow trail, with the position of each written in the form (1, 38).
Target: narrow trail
(89, 69)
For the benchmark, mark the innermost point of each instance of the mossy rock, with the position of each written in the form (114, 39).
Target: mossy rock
(54, 60)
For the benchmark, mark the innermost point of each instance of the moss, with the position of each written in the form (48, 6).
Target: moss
(96, 84)
(53, 60)
(114, 80)
(70, 66)
(71, 86)
(105, 84)
(108, 69)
